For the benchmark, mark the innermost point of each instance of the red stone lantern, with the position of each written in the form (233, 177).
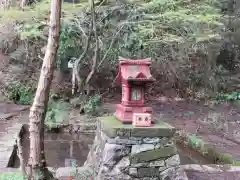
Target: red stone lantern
(134, 76)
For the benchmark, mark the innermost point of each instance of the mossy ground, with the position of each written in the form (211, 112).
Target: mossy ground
(12, 176)
(207, 150)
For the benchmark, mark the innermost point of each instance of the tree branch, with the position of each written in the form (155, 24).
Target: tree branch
(110, 47)
(96, 53)
(113, 40)
(76, 67)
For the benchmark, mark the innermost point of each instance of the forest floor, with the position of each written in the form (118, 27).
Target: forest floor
(179, 113)
(188, 115)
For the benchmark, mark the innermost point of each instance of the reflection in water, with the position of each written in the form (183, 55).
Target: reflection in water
(67, 150)
(62, 149)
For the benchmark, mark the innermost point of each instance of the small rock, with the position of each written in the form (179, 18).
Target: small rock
(103, 171)
(158, 163)
(148, 172)
(118, 140)
(150, 178)
(169, 144)
(66, 171)
(133, 171)
(76, 102)
(123, 132)
(158, 146)
(135, 138)
(163, 168)
(66, 130)
(179, 133)
(140, 165)
(141, 148)
(164, 140)
(173, 173)
(52, 170)
(151, 140)
(85, 172)
(112, 176)
(112, 153)
(173, 161)
(116, 173)
(123, 164)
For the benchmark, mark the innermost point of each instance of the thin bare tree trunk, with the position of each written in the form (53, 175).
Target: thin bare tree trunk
(38, 110)
(76, 68)
(96, 53)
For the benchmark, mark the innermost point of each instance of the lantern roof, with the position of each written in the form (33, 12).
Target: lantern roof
(135, 70)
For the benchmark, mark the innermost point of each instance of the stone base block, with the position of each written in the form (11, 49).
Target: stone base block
(125, 152)
(113, 127)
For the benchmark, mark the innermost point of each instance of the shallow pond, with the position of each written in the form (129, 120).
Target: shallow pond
(61, 148)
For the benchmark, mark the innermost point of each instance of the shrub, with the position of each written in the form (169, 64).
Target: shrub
(229, 96)
(58, 112)
(178, 34)
(20, 93)
(92, 105)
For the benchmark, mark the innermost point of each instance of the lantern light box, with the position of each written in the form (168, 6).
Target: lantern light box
(134, 75)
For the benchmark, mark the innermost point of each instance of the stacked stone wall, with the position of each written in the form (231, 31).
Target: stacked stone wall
(116, 154)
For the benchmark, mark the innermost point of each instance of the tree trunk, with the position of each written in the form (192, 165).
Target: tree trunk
(23, 4)
(37, 162)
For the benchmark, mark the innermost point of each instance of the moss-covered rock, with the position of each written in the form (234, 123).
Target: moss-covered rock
(153, 155)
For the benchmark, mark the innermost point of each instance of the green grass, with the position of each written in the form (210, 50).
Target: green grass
(208, 151)
(185, 20)
(40, 11)
(236, 163)
(225, 159)
(12, 176)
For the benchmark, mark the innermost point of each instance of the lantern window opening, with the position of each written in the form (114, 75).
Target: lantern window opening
(136, 94)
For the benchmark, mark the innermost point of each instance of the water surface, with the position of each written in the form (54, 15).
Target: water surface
(62, 149)
(66, 150)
